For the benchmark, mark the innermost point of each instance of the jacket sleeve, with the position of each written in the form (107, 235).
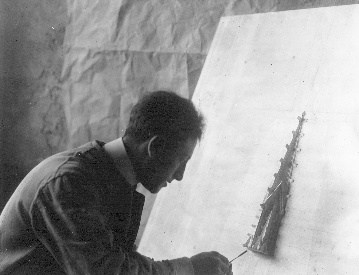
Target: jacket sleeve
(73, 230)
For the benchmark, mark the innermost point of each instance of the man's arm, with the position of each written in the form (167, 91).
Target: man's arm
(75, 233)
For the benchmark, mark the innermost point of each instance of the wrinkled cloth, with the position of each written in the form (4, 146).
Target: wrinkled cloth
(75, 213)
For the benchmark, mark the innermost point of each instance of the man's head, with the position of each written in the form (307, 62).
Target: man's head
(161, 135)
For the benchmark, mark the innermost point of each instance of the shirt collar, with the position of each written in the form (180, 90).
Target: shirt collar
(117, 151)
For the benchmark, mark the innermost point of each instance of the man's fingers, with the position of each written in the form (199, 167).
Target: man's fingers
(223, 259)
(223, 264)
(220, 256)
(211, 263)
(226, 268)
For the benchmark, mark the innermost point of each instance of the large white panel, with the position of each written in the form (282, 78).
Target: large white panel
(262, 71)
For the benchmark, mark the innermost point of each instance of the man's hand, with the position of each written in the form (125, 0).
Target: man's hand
(211, 263)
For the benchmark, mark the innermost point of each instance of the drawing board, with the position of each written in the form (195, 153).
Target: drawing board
(261, 73)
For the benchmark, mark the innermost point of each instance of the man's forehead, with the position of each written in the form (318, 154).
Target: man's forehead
(186, 148)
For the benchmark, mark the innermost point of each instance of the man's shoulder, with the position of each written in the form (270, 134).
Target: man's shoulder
(82, 162)
(76, 160)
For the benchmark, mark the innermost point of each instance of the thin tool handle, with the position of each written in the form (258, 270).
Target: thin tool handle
(239, 255)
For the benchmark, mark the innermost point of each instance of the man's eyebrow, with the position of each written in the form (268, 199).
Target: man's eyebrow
(186, 157)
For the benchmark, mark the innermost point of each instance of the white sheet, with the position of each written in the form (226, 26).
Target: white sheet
(262, 72)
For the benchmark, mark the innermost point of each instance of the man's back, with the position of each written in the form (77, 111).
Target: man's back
(26, 246)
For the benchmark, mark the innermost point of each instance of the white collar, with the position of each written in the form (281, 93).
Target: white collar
(116, 149)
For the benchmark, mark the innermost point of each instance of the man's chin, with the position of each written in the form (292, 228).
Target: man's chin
(154, 189)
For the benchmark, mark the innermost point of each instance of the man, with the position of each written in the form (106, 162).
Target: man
(78, 212)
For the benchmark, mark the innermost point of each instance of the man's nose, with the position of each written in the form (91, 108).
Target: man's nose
(179, 173)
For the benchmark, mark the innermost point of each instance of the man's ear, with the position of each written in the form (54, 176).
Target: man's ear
(156, 146)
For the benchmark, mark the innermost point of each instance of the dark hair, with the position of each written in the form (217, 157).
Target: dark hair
(166, 114)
